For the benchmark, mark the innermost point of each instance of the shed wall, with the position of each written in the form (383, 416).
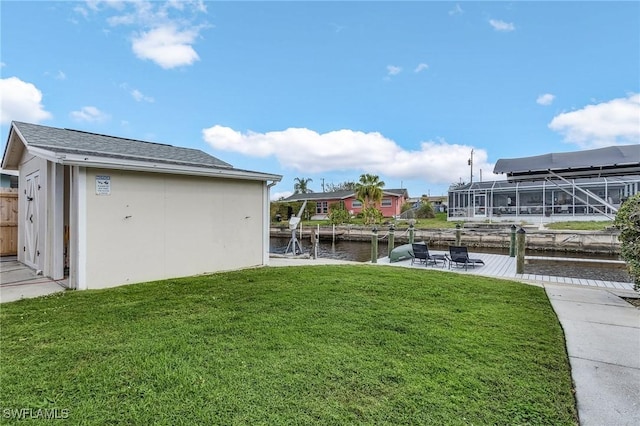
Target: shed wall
(155, 226)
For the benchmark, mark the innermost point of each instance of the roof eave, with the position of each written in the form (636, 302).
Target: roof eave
(571, 173)
(13, 150)
(157, 167)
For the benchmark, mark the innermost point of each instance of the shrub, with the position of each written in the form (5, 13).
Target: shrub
(372, 215)
(338, 214)
(628, 222)
(282, 208)
(425, 211)
(405, 207)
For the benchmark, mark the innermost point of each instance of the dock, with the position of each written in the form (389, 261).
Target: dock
(503, 266)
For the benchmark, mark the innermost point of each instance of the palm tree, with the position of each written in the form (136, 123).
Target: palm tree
(300, 186)
(369, 190)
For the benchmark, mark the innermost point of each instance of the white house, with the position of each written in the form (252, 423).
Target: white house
(583, 185)
(105, 211)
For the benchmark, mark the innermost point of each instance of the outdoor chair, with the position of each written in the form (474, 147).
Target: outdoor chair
(422, 255)
(459, 256)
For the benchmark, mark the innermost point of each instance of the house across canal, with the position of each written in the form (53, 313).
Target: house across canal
(577, 186)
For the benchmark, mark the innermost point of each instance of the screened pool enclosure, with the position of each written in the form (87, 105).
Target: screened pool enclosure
(582, 185)
(542, 200)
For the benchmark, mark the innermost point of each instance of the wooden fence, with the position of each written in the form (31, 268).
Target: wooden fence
(8, 221)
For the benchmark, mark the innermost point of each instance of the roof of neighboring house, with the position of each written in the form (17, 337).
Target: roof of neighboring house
(610, 161)
(340, 195)
(75, 147)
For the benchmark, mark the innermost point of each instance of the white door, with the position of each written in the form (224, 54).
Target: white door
(32, 221)
(480, 205)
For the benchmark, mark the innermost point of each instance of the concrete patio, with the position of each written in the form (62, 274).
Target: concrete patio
(18, 281)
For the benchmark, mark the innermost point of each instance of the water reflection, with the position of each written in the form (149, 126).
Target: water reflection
(342, 250)
(361, 252)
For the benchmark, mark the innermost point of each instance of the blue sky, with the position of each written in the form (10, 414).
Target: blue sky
(331, 90)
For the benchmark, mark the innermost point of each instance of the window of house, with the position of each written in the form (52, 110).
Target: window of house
(322, 207)
(386, 202)
(356, 204)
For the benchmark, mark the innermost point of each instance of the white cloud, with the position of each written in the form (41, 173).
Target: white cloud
(166, 46)
(280, 195)
(305, 150)
(139, 96)
(457, 10)
(21, 101)
(58, 76)
(80, 10)
(546, 99)
(198, 5)
(90, 114)
(421, 67)
(393, 70)
(338, 28)
(165, 31)
(96, 4)
(501, 25)
(608, 123)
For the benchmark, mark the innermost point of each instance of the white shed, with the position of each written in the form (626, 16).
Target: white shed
(106, 211)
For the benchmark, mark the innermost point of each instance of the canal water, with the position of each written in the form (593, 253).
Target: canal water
(599, 269)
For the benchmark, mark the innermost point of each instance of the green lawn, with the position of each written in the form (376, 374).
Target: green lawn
(359, 344)
(438, 222)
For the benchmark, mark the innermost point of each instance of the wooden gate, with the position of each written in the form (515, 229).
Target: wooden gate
(8, 221)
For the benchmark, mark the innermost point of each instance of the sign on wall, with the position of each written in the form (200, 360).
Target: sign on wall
(103, 185)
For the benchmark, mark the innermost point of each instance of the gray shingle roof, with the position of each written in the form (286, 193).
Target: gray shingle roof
(67, 141)
(317, 196)
(608, 161)
(337, 195)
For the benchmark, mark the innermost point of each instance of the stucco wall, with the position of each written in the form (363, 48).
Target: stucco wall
(387, 211)
(155, 226)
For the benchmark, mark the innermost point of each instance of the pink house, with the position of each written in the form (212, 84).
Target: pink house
(390, 206)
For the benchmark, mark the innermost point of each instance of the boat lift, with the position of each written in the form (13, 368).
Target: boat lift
(294, 244)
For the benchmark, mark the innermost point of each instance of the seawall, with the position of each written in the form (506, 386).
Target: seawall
(494, 237)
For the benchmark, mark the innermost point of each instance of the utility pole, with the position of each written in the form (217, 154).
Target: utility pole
(470, 163)
(322, 184)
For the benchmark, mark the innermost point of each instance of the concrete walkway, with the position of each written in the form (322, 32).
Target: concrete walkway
(602, 333)
(18, 281)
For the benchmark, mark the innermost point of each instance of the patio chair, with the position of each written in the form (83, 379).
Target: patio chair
(422, 255)
(419, 253)
(459, 256)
